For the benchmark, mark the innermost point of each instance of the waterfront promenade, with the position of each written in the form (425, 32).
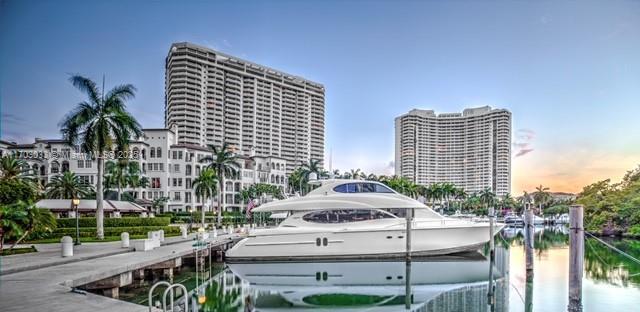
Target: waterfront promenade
(43, 281)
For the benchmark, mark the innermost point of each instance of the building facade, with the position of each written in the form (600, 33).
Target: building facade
(471, 149)
(212, 97)
(169, 166)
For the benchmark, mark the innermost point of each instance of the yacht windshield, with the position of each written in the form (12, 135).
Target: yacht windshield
(343, 216)
(362, 187)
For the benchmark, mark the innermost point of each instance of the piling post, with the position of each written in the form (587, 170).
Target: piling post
(492, 248)
(407, 286)
(408, 234)
(576, 257)
(528, 238)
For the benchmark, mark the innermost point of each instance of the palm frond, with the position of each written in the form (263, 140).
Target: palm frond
(87, 86)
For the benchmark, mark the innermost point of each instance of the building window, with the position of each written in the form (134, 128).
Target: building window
(187, 170)
(152, 153)
(176, 168)
(159, 152)
(180, 155)
(161, 167)
(187, 183)
(55, 167)
(65, 166)
(176, 196)
(87, 163)
(175, 155)
(80, 164)
(155, 182)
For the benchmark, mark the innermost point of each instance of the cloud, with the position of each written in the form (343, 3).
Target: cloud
(12, 119)
(226, 43)
(522, 142)
(524, 151)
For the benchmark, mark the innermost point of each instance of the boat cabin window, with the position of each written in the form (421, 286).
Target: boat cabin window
(343, 216)
(362, 187)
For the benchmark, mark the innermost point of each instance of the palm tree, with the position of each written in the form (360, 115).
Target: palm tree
(225, 164)
(117, 173)
(295, 180)
(487, 197)
(541, 196)
(372, 177)
(205, 186)
(37, 219)
(67, 186)
(336, 174)
(12, 167)
(448, 190)
(158, 203)
(460, 195)
(11, 218)
(98, 125)
(507, 201)
(355, 174)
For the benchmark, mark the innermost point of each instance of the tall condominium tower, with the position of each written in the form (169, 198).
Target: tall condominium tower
(471, 150)
(213, 97)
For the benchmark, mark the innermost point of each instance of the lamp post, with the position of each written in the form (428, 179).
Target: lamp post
(190, 218)
(76, 202)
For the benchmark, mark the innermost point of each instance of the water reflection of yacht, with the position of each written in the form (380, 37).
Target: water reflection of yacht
(376, 286)
(356, 219)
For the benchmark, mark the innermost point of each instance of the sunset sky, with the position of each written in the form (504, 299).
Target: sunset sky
(569, 72)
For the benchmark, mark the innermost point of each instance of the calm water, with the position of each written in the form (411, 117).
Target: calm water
(611, 282)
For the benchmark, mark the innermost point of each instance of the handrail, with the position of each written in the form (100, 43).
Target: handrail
(164, 297)
(151, 292)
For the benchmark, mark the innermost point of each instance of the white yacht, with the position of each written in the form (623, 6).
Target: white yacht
(354, 219)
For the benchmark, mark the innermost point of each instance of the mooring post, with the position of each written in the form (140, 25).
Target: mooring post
(407, 285)
(528, 239)
(576, 257)
(492, 258)
(528, 297)
(408, 234)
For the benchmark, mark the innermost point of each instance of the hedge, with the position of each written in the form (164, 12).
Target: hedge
(113, 222)
(114, 231)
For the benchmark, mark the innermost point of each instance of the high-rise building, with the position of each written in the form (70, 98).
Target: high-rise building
(471, 149)
(212, 97)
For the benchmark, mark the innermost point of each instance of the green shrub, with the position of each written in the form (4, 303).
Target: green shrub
(14, 190)
(113, 231)
(635, 230)
(114, 222)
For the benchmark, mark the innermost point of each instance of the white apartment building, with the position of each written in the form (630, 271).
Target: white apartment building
(169, 166)
(212, 97)
(471, 149)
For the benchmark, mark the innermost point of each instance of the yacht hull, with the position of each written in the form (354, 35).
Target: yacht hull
(359, 244)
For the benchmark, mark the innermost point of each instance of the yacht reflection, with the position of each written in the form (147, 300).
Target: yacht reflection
(376, 286)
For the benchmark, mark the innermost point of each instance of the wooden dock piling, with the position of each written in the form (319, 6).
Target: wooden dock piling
(528, 242)
(576, 257)
(492, 258)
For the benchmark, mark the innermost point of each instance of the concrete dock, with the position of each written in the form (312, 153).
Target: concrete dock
(43, 281)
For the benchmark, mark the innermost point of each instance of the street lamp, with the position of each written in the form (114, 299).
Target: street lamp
(190, 218)
(76, 202)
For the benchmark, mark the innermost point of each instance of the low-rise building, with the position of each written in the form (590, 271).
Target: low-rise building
(169, 166)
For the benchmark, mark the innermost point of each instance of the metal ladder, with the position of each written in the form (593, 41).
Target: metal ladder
(169, 289)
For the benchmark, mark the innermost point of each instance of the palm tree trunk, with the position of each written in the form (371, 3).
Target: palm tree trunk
(20, 239)
(220, 201)
(212, 203)
(203, 214)
(99, 198)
